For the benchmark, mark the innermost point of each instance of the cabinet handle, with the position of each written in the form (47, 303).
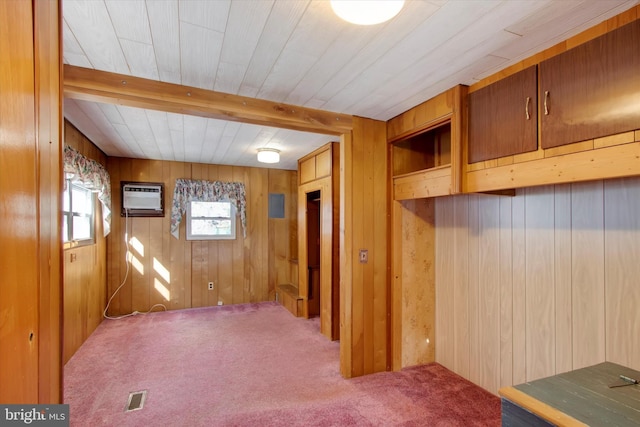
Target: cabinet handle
(526, 108)
(546, 98)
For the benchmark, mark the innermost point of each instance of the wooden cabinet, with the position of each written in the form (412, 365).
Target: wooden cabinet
(315, 166)
(425, 147)
(588, 115)
(592, 90)
(503, 117)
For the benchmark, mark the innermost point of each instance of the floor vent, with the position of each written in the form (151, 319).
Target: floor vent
(136, 401)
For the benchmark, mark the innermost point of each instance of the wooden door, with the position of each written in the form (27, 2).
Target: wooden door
(313, 253)
(592, 90)
(503, 118)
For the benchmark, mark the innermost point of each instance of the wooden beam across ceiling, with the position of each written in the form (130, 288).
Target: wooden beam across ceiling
(110, 88)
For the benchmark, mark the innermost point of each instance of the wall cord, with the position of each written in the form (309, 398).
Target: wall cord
(126, 275)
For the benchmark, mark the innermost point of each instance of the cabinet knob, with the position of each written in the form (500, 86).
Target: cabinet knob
(546, 103)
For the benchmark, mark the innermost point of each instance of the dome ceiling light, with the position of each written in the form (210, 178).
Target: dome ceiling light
(366, 12)
(268, 155)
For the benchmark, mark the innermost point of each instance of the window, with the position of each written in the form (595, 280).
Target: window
(78, 210)
(211, 221)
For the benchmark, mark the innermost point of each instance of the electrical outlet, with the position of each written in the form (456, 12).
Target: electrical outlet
(219, 302)
(210, 286)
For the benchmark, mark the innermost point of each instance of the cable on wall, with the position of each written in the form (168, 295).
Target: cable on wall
(126, 275)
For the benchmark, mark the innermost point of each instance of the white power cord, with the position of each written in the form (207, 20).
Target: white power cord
(126, 275)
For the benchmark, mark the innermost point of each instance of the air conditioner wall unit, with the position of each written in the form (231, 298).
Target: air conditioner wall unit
(142, 199)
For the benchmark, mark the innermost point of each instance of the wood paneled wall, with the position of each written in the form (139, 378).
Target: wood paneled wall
(540, 283)
(413, 283)
(85, 267)
(364, 190)
(174, 272)
(47, 18)
(30, 180)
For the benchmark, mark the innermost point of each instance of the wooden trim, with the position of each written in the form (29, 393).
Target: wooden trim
(396, 286)
(101, 86)
(538, 408)
(431, 124)
(610, 162)
(346, 249)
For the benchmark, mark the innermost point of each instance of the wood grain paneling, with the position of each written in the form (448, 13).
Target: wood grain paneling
(176, 272)
(555, 263)
(418, 290)
(30, 182)
(85, 277)
(49, 116)
(363, 286)
(621, 254)
(101, 86)
(18, 222)
(599, 146)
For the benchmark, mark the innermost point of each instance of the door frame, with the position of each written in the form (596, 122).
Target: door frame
(326, 253)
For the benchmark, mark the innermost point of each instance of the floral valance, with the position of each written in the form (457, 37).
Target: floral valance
(93, 176)
(188, 190)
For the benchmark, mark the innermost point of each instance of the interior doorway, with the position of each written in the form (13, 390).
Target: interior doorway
(313, 252)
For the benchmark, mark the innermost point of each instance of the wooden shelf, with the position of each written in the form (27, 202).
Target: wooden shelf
(425, 183)
(425, 147)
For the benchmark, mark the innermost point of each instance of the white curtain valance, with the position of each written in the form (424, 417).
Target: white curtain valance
(91, 175)
(188, 190)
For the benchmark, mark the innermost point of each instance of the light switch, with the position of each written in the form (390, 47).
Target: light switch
(364, 256)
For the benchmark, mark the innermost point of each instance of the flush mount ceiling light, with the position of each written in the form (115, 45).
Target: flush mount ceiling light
(366, 12)
(268, 155)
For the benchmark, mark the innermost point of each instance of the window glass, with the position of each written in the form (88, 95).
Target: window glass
(211, 220)
(78, 211)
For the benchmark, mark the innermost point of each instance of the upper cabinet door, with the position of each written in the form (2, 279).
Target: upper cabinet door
(592, 90)
(503, 117)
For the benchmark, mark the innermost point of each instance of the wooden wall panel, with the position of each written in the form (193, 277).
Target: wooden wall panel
(19, 189)
(418, 290)
(564, 291)
(176, 272)
(587, 256)
(281, 252)
(540, 302)
(461, 322)
(563, 278)
(85, 277)
(505, 291)
(622, 269)
(474, 302)
(49, 136)
(489, 291)
(445, 299)
(363, 286)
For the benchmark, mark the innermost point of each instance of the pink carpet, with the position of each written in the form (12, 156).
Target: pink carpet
(252, 365)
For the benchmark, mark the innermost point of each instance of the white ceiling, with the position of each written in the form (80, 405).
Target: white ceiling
(297, 52)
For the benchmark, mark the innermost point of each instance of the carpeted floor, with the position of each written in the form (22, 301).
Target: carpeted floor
(252, 365)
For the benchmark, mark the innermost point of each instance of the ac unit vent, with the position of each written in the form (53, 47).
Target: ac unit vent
(142, 199)
(141, 196)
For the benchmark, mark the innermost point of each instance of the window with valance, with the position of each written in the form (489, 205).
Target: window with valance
(189, 190)
(92, 175)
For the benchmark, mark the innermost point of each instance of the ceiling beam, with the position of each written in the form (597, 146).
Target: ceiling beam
(110, 88)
